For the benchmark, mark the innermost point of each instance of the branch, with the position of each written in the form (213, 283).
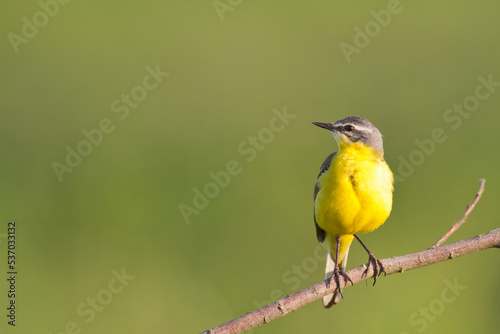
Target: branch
(392, 265)
(462, 220)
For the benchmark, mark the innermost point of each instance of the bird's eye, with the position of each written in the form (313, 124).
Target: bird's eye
(348, 128)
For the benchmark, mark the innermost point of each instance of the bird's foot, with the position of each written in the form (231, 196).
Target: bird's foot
(336, 277)
(378, 267)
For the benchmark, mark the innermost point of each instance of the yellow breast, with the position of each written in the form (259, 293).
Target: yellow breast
(356, 192)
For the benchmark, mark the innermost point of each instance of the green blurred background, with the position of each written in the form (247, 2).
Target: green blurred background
(255, 241)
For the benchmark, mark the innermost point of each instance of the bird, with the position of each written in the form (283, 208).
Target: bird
(352, 195)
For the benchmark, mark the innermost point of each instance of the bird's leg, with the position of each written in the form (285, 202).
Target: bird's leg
(378, 267)
(339, 272)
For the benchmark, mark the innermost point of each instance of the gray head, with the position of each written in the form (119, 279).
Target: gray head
(355, 129)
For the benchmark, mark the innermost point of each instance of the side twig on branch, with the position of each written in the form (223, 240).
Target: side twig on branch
(462, 220)
(392, 265)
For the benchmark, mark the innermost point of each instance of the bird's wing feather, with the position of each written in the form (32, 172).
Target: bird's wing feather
(320, 233)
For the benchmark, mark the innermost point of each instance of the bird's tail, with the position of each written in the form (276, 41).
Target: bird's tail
(345, 243)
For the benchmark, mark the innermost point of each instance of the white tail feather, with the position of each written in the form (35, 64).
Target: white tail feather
(333, 298)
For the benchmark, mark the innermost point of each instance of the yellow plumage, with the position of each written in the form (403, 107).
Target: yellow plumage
(353, 194)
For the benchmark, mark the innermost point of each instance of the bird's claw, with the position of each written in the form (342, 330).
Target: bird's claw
(378, 268)
(336, 277)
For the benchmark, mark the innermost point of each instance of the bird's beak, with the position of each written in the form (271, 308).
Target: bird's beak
(328, 126)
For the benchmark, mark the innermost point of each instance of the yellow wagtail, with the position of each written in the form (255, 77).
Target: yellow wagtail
(353, 194)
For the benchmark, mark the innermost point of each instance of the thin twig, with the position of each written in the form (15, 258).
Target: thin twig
(462, 220)
(392, 265)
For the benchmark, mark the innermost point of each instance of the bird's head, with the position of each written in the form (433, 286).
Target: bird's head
(354, 129)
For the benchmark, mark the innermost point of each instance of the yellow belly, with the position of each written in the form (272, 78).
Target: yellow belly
(356, 192)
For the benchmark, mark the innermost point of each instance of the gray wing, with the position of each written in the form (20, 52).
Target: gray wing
(320, 233)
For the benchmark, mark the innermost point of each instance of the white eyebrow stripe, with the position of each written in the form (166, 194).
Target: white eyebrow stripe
(362, 128)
